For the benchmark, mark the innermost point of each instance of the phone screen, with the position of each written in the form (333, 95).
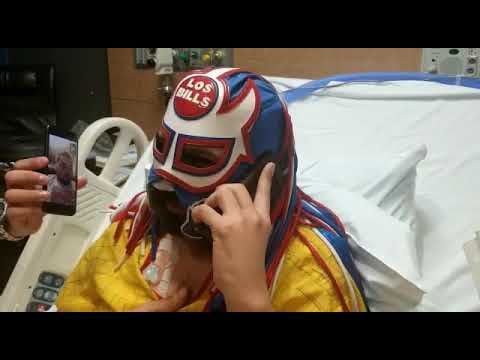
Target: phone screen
(62, 174)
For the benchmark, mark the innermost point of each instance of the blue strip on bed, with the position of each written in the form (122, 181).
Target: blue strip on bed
(308, 88)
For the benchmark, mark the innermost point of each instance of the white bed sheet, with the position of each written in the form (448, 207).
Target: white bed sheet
(390, 118)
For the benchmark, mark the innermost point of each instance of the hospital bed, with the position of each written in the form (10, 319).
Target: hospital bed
(368, 118)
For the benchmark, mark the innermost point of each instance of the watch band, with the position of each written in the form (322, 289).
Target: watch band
(6, 167)
(4, 234)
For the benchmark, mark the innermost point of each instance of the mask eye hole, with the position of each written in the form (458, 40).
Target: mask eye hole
(162, 143)
(201, 157)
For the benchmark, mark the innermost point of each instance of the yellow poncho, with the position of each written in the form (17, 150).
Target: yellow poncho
(301, 284)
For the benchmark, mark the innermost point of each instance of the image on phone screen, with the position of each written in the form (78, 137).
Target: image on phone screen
(62, 177)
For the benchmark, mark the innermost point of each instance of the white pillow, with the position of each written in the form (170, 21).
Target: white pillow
(375, 199)
(387, 181)
(383, 248)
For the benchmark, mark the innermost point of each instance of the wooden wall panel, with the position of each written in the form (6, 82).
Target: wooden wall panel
(320, 62)
(134, 91)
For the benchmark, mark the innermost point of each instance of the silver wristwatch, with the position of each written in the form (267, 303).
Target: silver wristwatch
(6, 167)
(4, 235)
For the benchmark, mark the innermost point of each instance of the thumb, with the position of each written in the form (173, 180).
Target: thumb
(170, 304)
(81, 182)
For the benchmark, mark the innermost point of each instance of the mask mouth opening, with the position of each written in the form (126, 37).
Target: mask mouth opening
(175, 208)
(171, 216)
(168, 212)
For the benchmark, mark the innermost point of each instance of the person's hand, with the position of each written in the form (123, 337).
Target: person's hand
(240, 236)
(170, 304)
(25, 196)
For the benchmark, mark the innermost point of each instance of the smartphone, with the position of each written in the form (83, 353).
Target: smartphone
(61, 148)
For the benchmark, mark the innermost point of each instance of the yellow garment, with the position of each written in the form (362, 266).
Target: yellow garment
(301, 285)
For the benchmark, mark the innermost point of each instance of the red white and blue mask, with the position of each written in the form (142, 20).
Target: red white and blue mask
(237, 113)
(241, 116)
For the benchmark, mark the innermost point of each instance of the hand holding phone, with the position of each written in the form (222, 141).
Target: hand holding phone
(202, 231)
(240, 237)
(62, 152)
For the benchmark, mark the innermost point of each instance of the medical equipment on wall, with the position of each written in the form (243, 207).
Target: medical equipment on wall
(168, 61)
(451, 61)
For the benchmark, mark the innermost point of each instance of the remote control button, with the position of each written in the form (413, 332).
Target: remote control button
(58, 283)
(46, 279)
(38, 293)
(32, 307)
(50, 296)
(42, 307)
(37, 307)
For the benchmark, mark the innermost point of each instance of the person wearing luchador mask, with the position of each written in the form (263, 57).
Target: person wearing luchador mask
(221, 225)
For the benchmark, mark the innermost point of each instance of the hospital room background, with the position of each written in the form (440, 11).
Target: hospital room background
(400, 125)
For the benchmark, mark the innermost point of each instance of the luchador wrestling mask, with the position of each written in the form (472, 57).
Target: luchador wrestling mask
(221, 126)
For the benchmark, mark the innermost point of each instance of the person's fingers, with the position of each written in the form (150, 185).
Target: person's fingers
(81, 182)
(24, 179)
(205, 214)
(29, 205)
(19, 197)
(170, 304)
(241, 194)
(17, 212)
(223, 198)
(35, 163)
(262, 196)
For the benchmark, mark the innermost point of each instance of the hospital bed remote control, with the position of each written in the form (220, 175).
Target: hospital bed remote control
(45, 292)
